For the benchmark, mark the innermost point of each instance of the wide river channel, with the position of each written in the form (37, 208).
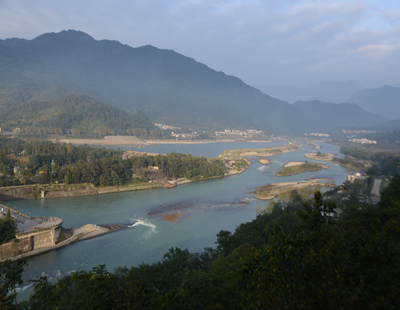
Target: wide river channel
(206, 207)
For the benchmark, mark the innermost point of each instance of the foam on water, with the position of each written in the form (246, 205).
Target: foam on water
(144, 223)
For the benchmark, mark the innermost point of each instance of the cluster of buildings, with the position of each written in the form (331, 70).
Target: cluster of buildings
(234, 132)
(357, 176)
(362, 141)
(317, 134)
(166, 127)
(184, 135)
(356, 131)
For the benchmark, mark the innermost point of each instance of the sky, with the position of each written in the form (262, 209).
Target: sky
(264, 43)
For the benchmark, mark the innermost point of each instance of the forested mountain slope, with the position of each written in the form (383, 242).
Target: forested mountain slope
(79, 115)
(23, 79)
(167, 86)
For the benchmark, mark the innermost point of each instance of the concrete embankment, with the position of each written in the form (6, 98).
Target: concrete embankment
(78, 234)
(66, 190)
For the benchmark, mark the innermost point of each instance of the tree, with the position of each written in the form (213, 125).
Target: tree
(11, 275)
(7, 228)
(318, 266)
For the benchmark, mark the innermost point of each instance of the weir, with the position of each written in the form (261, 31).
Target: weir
(32, 233)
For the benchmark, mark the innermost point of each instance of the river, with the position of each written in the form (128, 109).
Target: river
(206, 207)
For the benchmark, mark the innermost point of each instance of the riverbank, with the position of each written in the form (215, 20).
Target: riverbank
(296, 167)
(235, 154)
(132, 140)
(273, 190)
(88, 231)
(44, 191)
(241, 154)
(314, 146)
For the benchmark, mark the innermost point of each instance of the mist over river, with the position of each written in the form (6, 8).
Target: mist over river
(206, 207)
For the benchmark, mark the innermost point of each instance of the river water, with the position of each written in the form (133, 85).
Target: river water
(206, 207)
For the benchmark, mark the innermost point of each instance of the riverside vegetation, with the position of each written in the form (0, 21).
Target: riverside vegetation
(292, 256)
(41, 161)
(301, 167)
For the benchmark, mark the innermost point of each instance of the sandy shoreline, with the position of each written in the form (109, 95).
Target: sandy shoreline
(325, 157)
(264, 161)
(272, 190)
(293, 163)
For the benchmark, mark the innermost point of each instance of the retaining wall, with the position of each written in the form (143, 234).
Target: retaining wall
(29, 242)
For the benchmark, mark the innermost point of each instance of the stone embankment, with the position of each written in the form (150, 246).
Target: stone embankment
(78, 234)
(66, 190)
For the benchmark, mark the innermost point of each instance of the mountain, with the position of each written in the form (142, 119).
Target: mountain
(23, 79)
(167, 86)
(79, 115)
(326, 116)
(384, 100)
(327, 92)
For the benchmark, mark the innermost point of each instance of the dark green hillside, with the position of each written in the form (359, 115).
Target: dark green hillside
(23, 79)
(169, 87)
(78, 115)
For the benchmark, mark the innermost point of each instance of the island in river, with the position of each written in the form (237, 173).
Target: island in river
(273, 190)
(295, 167)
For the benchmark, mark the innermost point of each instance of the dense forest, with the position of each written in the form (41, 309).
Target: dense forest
(42, 161)
(381, 162)
(75, 115)
(292, 256)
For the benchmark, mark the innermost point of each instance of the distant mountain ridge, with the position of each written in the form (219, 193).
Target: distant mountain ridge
(384, 100)
(333, 116)
(168, 87)
(336, 92)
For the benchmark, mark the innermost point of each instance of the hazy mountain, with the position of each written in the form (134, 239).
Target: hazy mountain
(384, 100)
(387, 126)
(329, 116)
(328, 92)
(167, 86)
(23, 79)
(78, 115)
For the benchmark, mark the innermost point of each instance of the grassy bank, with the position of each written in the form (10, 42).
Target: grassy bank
(295, 169)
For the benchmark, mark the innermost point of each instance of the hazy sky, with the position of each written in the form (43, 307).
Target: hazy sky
(262, 42)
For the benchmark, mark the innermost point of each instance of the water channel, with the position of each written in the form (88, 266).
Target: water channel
(206, 207)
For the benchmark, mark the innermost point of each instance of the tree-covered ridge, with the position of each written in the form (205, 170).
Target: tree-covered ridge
(292, 256)
(78, 115)
(360, 158)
